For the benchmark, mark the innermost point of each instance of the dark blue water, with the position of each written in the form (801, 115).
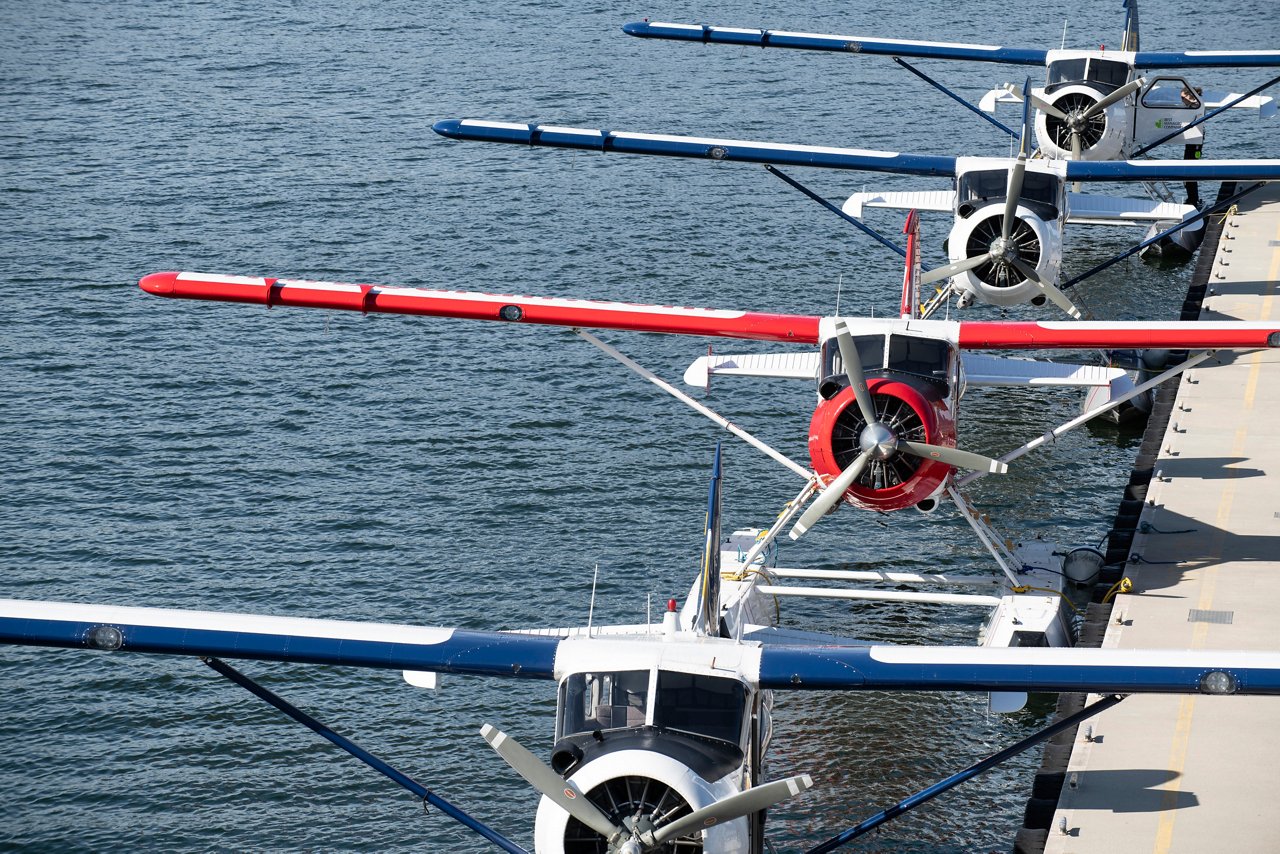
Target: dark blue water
(226, 457)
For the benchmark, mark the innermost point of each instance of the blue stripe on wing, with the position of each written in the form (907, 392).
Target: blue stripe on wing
(552, 136)
(836, 43)
(1207, 59)
(1173, 170)
(1022, 669)
(453, 651)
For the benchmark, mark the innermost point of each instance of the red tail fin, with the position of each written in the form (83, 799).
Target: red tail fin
(911, 277)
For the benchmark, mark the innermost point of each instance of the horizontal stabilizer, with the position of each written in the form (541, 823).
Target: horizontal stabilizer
(920, 200)
(1095, 209)
(787, 366)
(981, 369)
(1264, 104)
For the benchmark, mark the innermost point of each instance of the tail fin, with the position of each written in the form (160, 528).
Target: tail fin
(1130, 40)
(708, 620)
(911, 278)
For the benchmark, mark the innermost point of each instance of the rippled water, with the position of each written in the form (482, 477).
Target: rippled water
(224, 457)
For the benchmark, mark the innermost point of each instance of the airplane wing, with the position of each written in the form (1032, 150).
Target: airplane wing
(943, 668)
(594, 314)
(1207, 59)
(789, 328)
(1172, 170)
(836, 43)
(665, 145)
(826, 157)
(254, 636)
(780, 666)
(1098, 335)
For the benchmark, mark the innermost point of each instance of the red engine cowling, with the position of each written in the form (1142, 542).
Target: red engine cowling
(919, 412)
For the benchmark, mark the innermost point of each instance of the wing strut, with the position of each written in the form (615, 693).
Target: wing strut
(428, 797)
(953, 96)
(1184, 128)
(926, 795)
(852, 220)
(1067, 426)
(759, 445)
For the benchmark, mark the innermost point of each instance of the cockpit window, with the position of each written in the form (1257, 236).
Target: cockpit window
(928, 357)
(1171, 92)
(592, 701)
(1067, 71)
(711, 706)
(870, 351)
(990, 184)
(1106, 74)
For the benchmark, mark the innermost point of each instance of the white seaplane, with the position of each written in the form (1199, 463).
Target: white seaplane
(662, 730)
(1093, 104)
(1005, 244)
(883, 433)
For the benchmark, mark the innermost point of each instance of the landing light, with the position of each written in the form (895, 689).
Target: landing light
(104, 637)
(510, 312)
(1217, 682)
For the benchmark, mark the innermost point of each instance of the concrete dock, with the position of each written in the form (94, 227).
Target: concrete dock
(1198, 773)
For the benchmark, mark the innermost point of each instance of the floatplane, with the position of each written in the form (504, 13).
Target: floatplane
(661, 730)
(1009, 215)
(1093, 104)
(883, 432)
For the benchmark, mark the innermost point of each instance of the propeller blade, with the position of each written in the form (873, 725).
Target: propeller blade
(1119, 95)
(829, 496)
(538, 774)
(954, 269)
(854, 371)
(734, 806)
(1056, 296)
(1015, 190)
(1039, 103)
(1024, 142)
(1077, 146)
(954, 457)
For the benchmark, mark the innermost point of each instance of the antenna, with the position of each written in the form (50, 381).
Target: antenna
(591, 611)
(839, 283)
(1064, 34)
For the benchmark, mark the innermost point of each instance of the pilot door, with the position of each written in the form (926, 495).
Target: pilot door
(1166, 104)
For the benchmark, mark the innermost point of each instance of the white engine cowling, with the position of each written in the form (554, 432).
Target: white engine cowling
(1102, 138)
(665, 775)
(1040, 243)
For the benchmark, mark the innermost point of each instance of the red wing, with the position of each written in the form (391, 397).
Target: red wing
(1081, 335)
(800, 329)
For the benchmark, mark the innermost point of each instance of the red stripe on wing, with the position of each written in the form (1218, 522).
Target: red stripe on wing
(1192, 335)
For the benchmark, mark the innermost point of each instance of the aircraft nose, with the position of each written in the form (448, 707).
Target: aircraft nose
(160, 284)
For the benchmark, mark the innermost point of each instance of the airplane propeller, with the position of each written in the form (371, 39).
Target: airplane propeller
(638, 835)
(878, 441)
(1003, 251)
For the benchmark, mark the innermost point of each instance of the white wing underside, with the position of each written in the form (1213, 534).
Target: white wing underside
(920, 200)
(980, 370)
(1094, 209)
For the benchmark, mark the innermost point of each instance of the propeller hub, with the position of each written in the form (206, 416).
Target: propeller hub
(878, 441)
(1003, 250)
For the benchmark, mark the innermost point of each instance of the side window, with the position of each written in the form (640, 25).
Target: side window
(1171, 92)
(711, 706)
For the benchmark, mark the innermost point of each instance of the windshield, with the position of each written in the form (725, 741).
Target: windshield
(1106, 74)
(870, 351)
(592, 701)
(928, 357)
(710, 706)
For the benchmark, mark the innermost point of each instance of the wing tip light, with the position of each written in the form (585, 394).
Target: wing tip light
(160, 284)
